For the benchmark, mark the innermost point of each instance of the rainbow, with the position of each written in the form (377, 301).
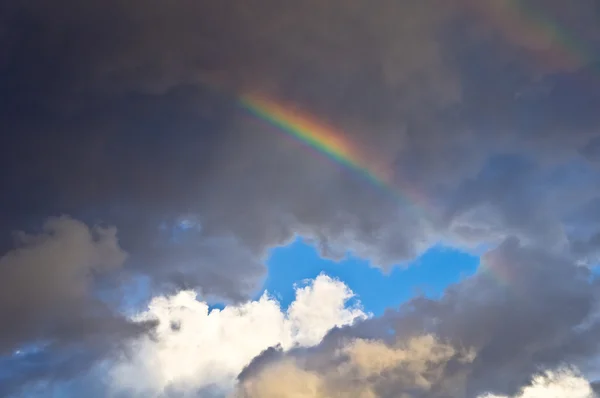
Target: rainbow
(518, 21)
(331, 143)
(499, 270)
(537, 32)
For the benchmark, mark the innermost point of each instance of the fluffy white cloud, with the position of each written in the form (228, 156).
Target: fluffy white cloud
(195, 348)
(564, 383)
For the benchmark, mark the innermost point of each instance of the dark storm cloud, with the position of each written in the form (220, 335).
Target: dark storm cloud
(124, 113)
(111, 121)
(528, 311)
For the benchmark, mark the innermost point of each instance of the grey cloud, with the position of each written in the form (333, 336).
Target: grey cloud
(47, 303)
(49, 273)
(507, 197)
(270, 355)
(592, 150)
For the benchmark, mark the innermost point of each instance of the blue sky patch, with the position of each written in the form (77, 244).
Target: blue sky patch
(429, 274)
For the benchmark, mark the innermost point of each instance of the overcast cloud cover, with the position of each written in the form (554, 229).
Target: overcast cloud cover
(126, 154)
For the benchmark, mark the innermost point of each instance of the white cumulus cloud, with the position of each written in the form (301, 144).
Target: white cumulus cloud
(564, 383)
(197, 348)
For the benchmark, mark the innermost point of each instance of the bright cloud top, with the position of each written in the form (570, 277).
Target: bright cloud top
(195, 348)
(564, 383)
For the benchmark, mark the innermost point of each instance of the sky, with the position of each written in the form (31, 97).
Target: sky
(307, 199)
(427, 275)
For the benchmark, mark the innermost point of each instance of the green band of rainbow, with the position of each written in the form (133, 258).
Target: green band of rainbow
(525, 24)
(331, 143)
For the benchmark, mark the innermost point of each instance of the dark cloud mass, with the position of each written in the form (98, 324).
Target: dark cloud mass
(46, 298)
(48, 272)
(124, 115)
